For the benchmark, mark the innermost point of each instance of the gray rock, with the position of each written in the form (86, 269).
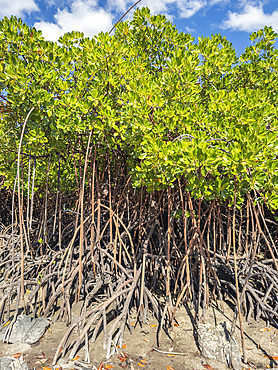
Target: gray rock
(25, 330)
(217, 342)
(7, 363)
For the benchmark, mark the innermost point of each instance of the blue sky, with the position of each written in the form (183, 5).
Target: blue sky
(234, 19)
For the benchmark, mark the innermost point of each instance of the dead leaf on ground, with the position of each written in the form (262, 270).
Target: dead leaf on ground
(153, 325)
(101, 366)
(170, 368)
(17, 355)
(75, 358)
(265, 329)
(144, 364)
(209, 367)
(273, 358)
(123, 357)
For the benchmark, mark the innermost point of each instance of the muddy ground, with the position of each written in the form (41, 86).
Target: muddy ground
(138, 351)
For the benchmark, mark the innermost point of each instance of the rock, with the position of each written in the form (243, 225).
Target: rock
(26, 330)
(217, 342)
(8, 363)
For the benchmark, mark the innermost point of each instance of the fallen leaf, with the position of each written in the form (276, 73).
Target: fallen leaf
(263, 329)
(142, 365)
(101, 366)
(153, 325)
(170, 368)
(123, 358)
(47, 368)
(170, 355)
(124, 346)
(133, 324)
(146, 340)
(209, 367)
(108, 366)
(176, 324)
(7, 323)
(49, 330)
(273, 358)
(75, 358)
(17, 355)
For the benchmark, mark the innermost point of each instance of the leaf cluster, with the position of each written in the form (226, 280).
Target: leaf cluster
(156, 100)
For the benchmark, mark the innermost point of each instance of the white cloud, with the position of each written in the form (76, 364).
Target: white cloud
(50, 31)
(220, 2)
(118, 5)
(251, 19)
(188, 8)
(84, 16)
(87, 16)
(184, 8)
(158, 6)
(17, 7)
(190, 30)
